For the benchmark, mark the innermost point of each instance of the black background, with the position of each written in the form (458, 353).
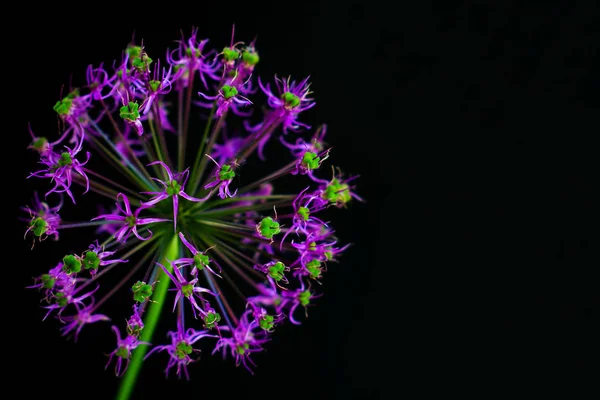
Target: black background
(473, 126)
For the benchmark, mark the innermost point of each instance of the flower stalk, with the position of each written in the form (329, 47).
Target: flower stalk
(171, 252)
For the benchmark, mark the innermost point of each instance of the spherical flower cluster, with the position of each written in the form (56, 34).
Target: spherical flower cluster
(179, 219)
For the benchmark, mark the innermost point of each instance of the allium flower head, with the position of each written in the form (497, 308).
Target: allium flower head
(181, 223)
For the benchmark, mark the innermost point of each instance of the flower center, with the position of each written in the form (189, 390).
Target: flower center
(337, 192)
(290, 100)
(276, 271)
(131, 220)
(122, 352)
(201, 261)
(250, 58)
(91, 260)
(65, 159)
(267, 322)
(229, 91)
(173, 188)
(182, 350)
(304, 213)
(130, 111)
(154, 85)
(314, 268)
(187, 290)
(304, 297)
(39, 226)
(141, 291)
(226, 173)
(48, 281)
(211, 319)
(241, 348)
(268, 228)
(71, 264)
(230, 54)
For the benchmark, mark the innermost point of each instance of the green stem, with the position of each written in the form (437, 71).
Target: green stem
(157, 148)
(171, 252)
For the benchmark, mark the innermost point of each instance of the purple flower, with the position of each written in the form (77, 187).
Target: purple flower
(180, 348)
(290, 101)
(173, 187)
(305, 206)
(84, 316)
(285, 108)
(316, 144)
(227, 97)
(199, 259)
(135, 323)
(129, 219)
(72, 108)
(38, 143)
(337, 191)
(121, 84)
(308, 162)
(44, 220)
(293, 299)
(129, 111)
(97, 80)
(54, 280)
(96, 257)
(274, 270)
(187, 289)
(317, 247)
(189, 57)
(65, 296)
(246, 338)
(266, 321)
(60, 167)
(223, 177)
(123, 351)
(157, 86)
(249, 59)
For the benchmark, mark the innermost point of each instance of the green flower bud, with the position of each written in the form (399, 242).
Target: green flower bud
(71, 264)
(290, 100)
(226, 173)
(304, 213)
(267, 323)
(173, 188)
(130, 111)
(141, 291)
(229, 91)
(268, 227)
(310, 160)
(276, 271)
(230, 54)
(337, 192)
(211, 319)
(39, 226)
(183, 349)
(91, 260)
(201, 261)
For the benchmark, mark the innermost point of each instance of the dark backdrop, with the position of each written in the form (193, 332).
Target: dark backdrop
(473, 126)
